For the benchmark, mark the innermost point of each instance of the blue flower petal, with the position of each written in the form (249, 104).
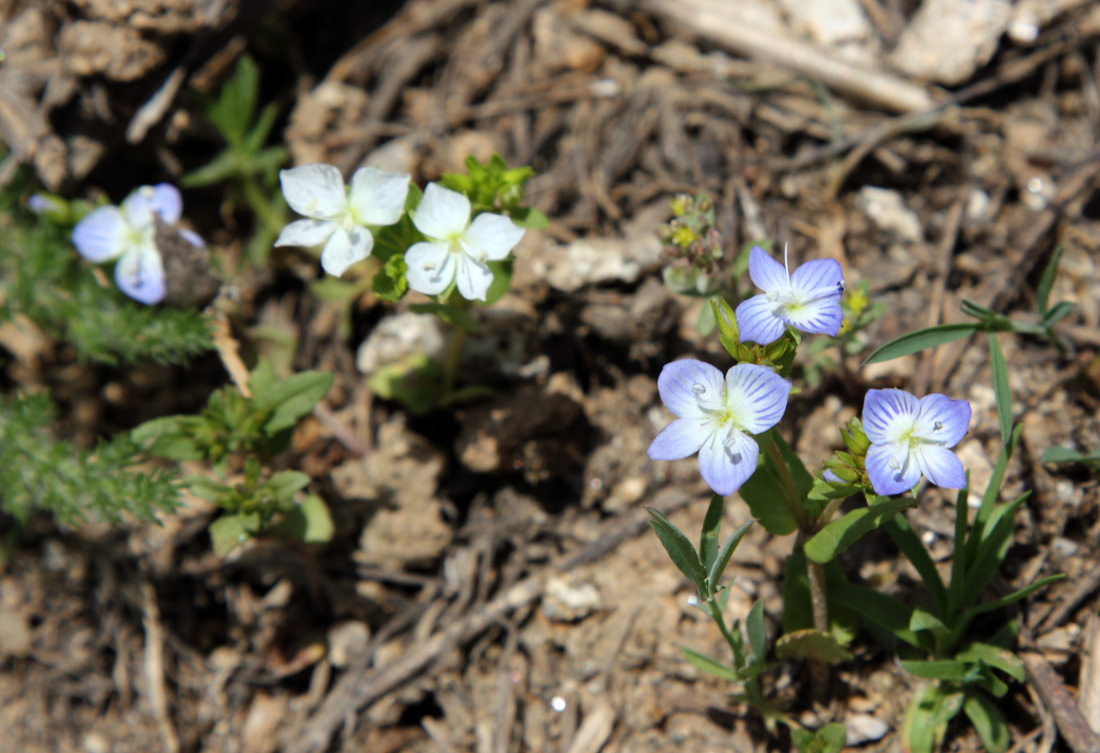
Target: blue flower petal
(140, 274)
(941, 466)
(683, 383)
(888, 413)
(942, 420)
(817, 278)
(727, 462)
(891, 469)
(766, 273)
(167, 202)
(680, 439)
(757, 322)
(821, 316)
(192, 237)
(757, 396)
(101, 235)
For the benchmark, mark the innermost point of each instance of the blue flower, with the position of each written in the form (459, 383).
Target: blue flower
(910, 437)
(808, 300)
(127, 233)
(717, 418)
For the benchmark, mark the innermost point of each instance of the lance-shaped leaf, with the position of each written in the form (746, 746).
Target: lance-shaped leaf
(845, 531)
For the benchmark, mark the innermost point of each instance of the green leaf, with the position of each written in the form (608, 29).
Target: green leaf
(727, 324)
(529, 217)
(207, 488)
(914, 550)
(709, 665)
(257, 135)
(813, 645)
(994, 656)
(502, 278)
(1012, 598)
(1057, 313)
(390, 283)
(828, 739)
(988, 722)
(845, 531)
(1046, 283)
(679, 548)
(991, 553)
(1000, 387)
(758, 636)
(882, 609)
(718, 567)
(452, 315)
(922, 339)
(230, 531)
(797, 610)
(414, 381)
(289, 399)
(309, 522)
(923, 620)
(977, 529)
(169, 437)
(764, 495)
(708, 539)
(1066, 455)
(283, 484)
(941, 669)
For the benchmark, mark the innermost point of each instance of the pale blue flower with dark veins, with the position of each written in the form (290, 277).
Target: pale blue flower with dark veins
(910, 437)
(717, 418)
(127, 233)
(808, 300)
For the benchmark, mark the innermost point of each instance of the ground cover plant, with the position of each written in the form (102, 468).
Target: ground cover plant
(444, 376)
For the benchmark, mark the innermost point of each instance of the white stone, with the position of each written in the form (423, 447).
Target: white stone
(398, 337)
(947, 40)
(887, 209)
(827, 22)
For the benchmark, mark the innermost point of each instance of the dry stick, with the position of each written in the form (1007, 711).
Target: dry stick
(706, 18)
(1069, 601)
(154, 667)
(923, 376)
(1071, 724)
(358, 689)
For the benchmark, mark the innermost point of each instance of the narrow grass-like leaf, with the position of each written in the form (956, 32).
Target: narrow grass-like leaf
(1001, 390)
(1012, 598)
(924, 620)
(994, 656)
(709, 665)
(708, 539)
(922, 339)
(845, 531)
(988, 722)
(758, 637)
(679, 548)
(958, 560)
(990, 555)
(882, 609)
(1066, 455)
(718, 567)
(914, 550)
(1046, 283)
(977, 530)
(940, 669)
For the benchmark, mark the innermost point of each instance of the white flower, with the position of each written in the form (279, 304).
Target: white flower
(339, 218)
(127, 233)
(457, 250)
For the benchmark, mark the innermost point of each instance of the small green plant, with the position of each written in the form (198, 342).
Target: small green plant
(235, 434)
(246, 164)
(41, 473)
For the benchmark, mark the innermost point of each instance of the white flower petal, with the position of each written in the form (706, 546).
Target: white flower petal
(727, 462)
(431, 267)
(766, 273)
(378, 197)
(493, 235)
(306, 233)
(140, 274)
(757, 321)
(942, 421)
(756, 396)
(443, 214)
(680, 439)
(346, 248)
(315, 191)
(473, 278)
(941, 466)
(891, 468)
(682, 384)
(822, 316)
(888, 415)
(101, 235)
(167, 202)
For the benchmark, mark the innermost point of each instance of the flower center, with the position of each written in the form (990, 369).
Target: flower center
(716, 408)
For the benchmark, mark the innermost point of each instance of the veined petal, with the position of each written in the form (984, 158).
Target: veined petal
(443, 214)
(726, 462)
(140, 274)
(378, 197)
(167, 202)
(473, 277)
(888, 415)
(891, 468)
(766, 273)
(941, 466)
(306, 233)
(315, 191)
(756, 396)
(345, 248)
(757, 321)
(493, 235)
(942, 421)
(817, 278)
(681, 438)
(101, 235)
(821, 316)
(431, 267)
(683, 384)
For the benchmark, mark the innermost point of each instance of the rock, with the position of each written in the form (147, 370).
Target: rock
(564, 600)
(587, 261)
(346, 640)
(887, 209)
(117, 52)
(828, 22)
(947, 40)
(864, 728)
(400, 336)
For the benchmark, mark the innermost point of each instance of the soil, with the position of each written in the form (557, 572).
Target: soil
(492, 585)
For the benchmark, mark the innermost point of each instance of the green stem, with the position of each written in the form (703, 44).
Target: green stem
(261, 206)
(790, 491)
